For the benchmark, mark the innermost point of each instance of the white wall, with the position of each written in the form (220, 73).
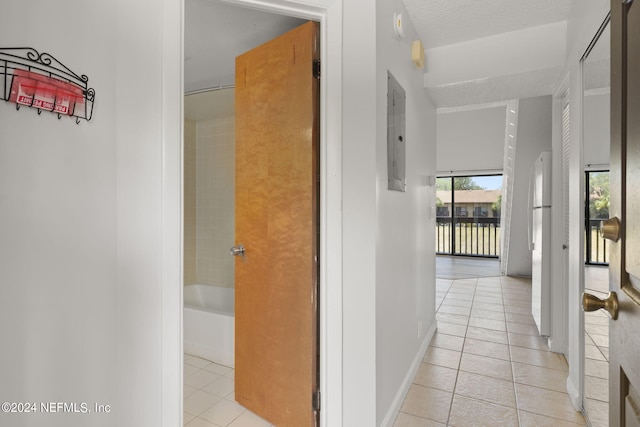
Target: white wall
(359, 212)
(148, 143)
(388, 262)
(471, 140)
(58, 276)
(534, 137)
(405, 251)
(90, 219)
(596, 131)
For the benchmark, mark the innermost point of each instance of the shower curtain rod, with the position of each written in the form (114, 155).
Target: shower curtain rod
(209, 89)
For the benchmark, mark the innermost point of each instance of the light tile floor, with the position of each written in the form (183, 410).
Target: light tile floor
(486, 364)
(596, 350)
(209, 397)
(464, 267)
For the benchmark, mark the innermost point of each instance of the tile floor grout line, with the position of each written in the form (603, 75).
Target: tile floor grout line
(464, 343)
(513, 373)
(453, 392)
(455, 385)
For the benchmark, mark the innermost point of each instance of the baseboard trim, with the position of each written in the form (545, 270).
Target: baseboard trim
(394, 409)
(574, 394)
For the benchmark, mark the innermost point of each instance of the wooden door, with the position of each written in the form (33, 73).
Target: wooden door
(624, 275)
(276, 104)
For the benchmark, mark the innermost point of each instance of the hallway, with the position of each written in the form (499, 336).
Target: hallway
(486, 364)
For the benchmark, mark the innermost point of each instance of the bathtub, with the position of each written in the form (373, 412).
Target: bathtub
(209, 323)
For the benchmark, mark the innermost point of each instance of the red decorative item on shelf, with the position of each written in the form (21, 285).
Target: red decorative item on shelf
(39, 80)
(46, 93)
(23, 88)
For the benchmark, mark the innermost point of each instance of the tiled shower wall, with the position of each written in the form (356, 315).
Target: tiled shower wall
(189, 202)
(214, 161)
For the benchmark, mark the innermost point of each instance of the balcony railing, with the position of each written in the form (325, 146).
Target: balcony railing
(468, 236)
(596, 246)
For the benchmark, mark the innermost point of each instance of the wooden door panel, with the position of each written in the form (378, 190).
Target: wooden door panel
(624, 267)
(276, 220)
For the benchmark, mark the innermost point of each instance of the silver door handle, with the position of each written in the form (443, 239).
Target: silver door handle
(237, 250)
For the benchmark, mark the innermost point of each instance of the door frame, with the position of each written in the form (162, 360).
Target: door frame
(571, 80)
(576, 329)
(329, 14)
(559, 254)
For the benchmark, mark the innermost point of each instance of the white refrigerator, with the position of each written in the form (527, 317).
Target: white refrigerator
(539, 242)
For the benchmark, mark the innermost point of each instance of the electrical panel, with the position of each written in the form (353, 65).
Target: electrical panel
(396, 141)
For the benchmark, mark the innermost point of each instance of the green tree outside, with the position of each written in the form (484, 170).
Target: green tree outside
(497, 205)
(459, 183)
(599, 195)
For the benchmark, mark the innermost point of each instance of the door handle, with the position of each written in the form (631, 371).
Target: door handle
(591, 302)
(237, 250)
(610, 229)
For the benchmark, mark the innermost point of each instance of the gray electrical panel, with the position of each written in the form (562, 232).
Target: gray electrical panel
(396, 141)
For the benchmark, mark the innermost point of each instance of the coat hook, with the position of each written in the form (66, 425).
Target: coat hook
(17, 107)
(59, 116)
(77, 120)
(39, 111)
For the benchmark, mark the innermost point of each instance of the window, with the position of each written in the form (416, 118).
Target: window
(474, 228)
(596, 209)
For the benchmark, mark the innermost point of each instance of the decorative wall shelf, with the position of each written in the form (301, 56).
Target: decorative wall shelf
(38, 80)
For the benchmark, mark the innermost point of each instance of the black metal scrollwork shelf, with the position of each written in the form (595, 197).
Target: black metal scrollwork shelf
(64, 92)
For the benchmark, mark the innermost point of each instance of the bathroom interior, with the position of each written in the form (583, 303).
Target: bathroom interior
(215, 33)
(209, 225)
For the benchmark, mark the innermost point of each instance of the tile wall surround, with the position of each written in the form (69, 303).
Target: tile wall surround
(189, 195)
(214, 189)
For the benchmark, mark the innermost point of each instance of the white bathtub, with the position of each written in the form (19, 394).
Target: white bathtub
(209, 323)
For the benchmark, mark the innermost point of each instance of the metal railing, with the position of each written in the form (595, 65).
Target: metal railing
(468, 236)
(595, 246)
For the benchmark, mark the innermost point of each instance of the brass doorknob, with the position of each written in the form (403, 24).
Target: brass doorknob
(610, 229)
(592, 303)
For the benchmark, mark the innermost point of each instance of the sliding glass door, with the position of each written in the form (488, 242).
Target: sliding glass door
(596, 209)
(468, 215)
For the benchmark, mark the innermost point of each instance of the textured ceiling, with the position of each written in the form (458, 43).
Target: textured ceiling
(215, 33)
(596, 66)
(485, 91)
(443, 22)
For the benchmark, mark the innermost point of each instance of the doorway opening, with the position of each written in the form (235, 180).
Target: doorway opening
(215, 33)
(596, 149)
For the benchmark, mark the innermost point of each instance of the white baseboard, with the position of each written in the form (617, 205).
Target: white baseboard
(574, 394)
(394, 409)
